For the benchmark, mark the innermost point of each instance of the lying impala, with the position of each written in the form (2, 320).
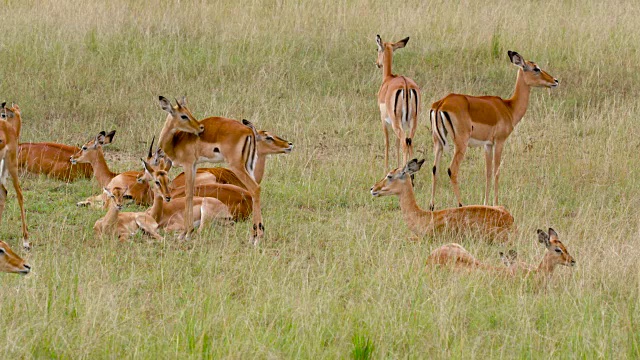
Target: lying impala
(556, 254)
(399, 103)
(267, 144)
(188, 142)
(10, 262)
(482, 121)
(91, 153)
(167, 212)
(123, 225)
(9, 167)
(491, 221)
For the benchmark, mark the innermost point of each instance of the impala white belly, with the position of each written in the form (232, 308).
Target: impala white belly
(477, 143)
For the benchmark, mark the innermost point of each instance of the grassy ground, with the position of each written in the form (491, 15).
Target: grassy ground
(335, 275)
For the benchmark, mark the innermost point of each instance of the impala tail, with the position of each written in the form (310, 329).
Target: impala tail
(438, 126)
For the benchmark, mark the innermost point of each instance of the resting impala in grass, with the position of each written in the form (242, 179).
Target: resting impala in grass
(187, 142)
(168, 212)
(482, 121)
(556, 254)
(399, 103)
(491, 221)
(267, 144)
(9, 167)
(10, 262)
(91, 153)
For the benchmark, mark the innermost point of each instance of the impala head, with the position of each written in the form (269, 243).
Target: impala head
(396, 180)
(557, 253)
(269, 144)
(9, 112)
(180, 117)
(533, 75)
(388, 47)
(91, 147)
(116, 195)
(158, 178)
(10, 262)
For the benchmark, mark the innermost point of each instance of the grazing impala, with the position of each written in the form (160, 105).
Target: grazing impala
(10, 262)
(267, 144)
(168, 213)
(492, 221)
(482, 121)
(556, 254)
(187, 142)
(91, 153)
(9, 167)
(399, 103)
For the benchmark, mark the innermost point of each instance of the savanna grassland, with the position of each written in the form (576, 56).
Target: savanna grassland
(336, 274)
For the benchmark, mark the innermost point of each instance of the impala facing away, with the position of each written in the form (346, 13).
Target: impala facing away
(399, 103)
(9, 167)
(91, 153)
(10, 262)
(493, 222)
(556, 254)
(482, 121)
(187, 142)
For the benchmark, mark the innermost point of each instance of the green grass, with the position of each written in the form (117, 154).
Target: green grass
(335, 276)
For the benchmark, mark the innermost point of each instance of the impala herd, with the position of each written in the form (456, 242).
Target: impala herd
(199, 197)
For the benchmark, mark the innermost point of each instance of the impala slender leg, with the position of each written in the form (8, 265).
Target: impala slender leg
(385, 130)
(3, 199)
(454, 168)
(497, 155)
(488, 159)
(254, 189)
(437, 155)
(13, 171)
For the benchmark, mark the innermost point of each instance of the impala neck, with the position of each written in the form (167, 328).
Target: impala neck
(258, 172)
(417, 219)
(386, 64)
(101, 169)
(156, 209)
(166, 138)
(520, 99)
(546, 265)
(111, 218)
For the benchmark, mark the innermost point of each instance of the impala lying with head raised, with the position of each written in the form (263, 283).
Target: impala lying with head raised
(10, 262)
(556, 254)
(482, 121)
(91, 153)
(9, 167)
(187, 142)
(399, 103)
(491, 221)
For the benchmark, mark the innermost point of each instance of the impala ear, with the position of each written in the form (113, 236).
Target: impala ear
(15, 107)
(517, 60)
(400, 44)
(147, 168)
(379, 42)
(107, 192)
(4, 104)
(100, 138)
(182, 102)
(167, 164)
(543, 238)
(108, 138)
(553, 235)
(253, 128)
(166, 104)
(413, 166)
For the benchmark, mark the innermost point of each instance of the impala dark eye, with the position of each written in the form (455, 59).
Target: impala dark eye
(537, 70)
(389, 177)
(157, 182)
(84, 148)
(269, 138)
(184, 117)
(2, 251)
(558, 251)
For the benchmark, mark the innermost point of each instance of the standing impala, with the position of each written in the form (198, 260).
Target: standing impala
(556, 254)
(9, 167)
(399, 103)
(187, 142)
(491, 221)
(482, 121)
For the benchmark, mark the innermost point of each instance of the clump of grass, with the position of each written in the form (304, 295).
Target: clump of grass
(363, 347)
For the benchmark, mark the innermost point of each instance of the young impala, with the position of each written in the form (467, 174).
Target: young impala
(9, 167)
(482, 121)
(491, 221)
(10, 262)
(556, 254)
(399, 103)
(91, 153)
(187, 142)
